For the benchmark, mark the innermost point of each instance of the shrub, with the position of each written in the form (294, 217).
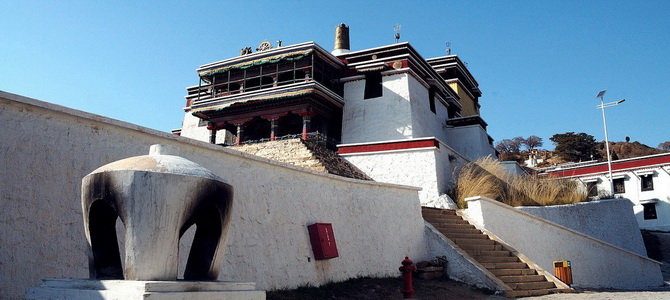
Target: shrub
(487, 177)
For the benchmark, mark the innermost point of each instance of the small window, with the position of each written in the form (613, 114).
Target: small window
(619, 187)
(592, 189)
(373, 85)
(431, 98)
(649, 211)
(647, 182)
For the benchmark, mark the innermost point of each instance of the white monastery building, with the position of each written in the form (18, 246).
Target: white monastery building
(644, 180)
(394, 115)
(383, 113)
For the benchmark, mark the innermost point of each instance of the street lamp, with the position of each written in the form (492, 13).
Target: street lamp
(602, 106)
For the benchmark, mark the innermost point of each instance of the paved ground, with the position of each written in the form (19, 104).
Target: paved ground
(593, 295)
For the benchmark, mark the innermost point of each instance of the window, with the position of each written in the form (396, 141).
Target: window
(373, 85)
(649, 211)
(592, 189)
(647, 182)
(619, 187)
(431, 98)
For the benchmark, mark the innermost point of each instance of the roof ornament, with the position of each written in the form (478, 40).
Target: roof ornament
(279, 43)
(265, 45)
(448, 49)
(396, 28)
(245, 51)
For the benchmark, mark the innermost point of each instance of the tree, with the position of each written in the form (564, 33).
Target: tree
(510, 148)
(532, 142)
(664, 145)
(575, 146)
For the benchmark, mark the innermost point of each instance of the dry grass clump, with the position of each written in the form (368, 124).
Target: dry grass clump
(487, 177)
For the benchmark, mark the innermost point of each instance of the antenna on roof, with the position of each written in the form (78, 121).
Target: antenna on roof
(396, 28)
(448, 49)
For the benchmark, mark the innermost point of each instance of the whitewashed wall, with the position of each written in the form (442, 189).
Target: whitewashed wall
(471, 141)
(660, 195)
(424, 121)
(377, 119)
(47, 149)
(191, 129)
(431, 169)
(595, 263)
(610, 221)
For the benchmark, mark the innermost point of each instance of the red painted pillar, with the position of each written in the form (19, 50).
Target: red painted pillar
(407, 269)
(273, 129)
(306, 125)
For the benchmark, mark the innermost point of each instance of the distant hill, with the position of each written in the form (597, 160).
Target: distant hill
(628, 150)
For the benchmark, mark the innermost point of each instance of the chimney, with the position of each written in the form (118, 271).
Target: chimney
(341, 40)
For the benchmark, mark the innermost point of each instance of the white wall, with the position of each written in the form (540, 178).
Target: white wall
(610, 221)
(47, 149)
(432, 169)
(471, 141)
(377, 119)
(424, 121)
(595, 263)
(190, 129)
(659, 195)
(414, 167)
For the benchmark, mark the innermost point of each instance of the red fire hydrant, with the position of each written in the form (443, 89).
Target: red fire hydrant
(407, 269)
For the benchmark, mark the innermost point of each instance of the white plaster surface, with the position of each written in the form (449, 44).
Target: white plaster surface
(377, 119)
(191, 129)
(47, 150)
(595, 263)
(424, 121)
(660, 195)
(428, 168)
(471, 141)
(607, 220)
(83, 289)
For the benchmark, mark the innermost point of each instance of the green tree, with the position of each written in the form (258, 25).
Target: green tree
(575, 146)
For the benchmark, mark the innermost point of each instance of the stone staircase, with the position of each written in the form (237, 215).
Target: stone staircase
(507, 267)
(304, 154)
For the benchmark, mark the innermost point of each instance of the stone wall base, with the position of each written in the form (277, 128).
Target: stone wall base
(85, 289)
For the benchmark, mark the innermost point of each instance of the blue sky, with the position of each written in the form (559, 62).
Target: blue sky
(539, 64)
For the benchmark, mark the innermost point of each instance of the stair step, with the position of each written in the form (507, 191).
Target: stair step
(505, 265)
(449, 222)
(472, 236)
(450, 226)
(437, 211)
(526, 293)
(496, 259)
(512, 272)
(517, 275)
(480, 247)
(522, 278)
(475, 253)
(531, 285)
(440, 217)
(464, 242)
(465, 230)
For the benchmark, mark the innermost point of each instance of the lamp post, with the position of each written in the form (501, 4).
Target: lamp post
(602, 106)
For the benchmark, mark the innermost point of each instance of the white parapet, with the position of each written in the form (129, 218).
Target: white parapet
(595, 263)
(84, 289)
